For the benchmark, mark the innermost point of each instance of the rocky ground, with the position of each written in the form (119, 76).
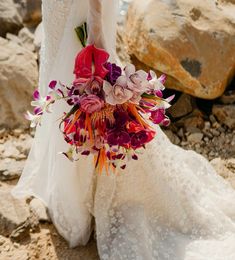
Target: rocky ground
(26, 231)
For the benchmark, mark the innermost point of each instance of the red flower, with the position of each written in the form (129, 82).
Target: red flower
(141, 138)
(134, 127)
(88, 57)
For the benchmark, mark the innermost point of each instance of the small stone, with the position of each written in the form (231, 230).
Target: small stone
(21, 232)
(17, 132)
(2, 240)
(2, 132)
(181, 133)
(10, 150)
(212, 119)
(225, 114)
(195, 137)
(216, 125)
(215, 132)
(228, 97)
(192, 130)
(182, 107)
(7, 248)
(16, 245)
(13, 38)
(207, 125)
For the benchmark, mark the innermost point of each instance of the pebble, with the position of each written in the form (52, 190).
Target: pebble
(207, 125)
(215, 132)
(2, 132)
(195, 137)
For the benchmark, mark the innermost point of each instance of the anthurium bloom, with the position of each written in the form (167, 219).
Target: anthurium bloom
(90, 62)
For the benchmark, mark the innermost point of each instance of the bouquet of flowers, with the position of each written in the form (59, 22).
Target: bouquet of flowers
(111, 109)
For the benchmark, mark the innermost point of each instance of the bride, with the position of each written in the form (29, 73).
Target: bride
(170, 204)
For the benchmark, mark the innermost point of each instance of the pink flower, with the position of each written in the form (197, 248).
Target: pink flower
(91, 103)
(118, 93)
(136, 80)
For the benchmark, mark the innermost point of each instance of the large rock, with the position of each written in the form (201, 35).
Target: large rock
(13, 213)
(10, 169)
(10, 20)
(18, 78)
(193, 42)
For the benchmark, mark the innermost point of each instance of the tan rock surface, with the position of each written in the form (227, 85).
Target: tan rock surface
(10, 20)
(193, 42)
(18, 78)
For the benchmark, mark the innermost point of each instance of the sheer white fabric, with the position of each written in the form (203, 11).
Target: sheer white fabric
(170, 204)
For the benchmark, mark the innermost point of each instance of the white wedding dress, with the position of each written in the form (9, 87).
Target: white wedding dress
(170, 204)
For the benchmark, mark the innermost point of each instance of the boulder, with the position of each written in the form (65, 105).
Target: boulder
(18, 78)
(193, 42)
(10, 169)
(10, 19)
(13, 213)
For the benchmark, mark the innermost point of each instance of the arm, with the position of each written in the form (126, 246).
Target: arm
(95, 27)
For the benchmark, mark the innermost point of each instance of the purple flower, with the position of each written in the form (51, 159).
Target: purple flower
(118, 137)
(114, 72)
(157, 116)
(91, 103)
(36, 95)
(52, 84)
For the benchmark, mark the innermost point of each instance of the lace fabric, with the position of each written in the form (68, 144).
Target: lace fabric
(170, 204)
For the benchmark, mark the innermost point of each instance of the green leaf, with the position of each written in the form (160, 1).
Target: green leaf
(81, 32)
